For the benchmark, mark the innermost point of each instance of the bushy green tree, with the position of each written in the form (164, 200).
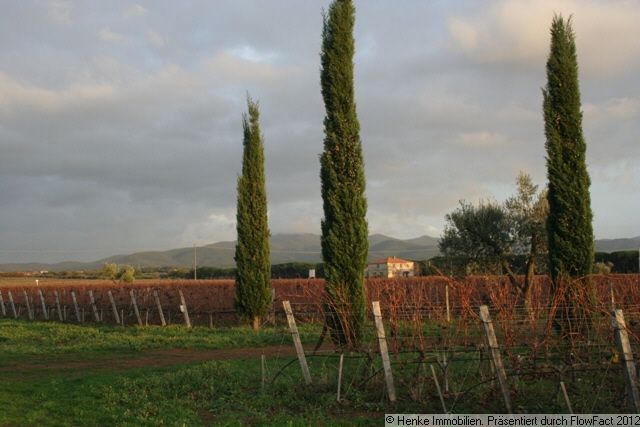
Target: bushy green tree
(109, 271)
(344, 227)
(529, 210)
(491, 236)
(127, 274)
(253, 274)
(483, 234)
(569, 225)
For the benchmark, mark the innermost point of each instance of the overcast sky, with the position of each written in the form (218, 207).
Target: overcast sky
(120, 122)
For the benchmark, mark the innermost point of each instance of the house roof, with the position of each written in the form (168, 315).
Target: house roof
(390, 260)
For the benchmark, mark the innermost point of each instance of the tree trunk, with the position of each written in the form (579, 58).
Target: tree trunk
(255, 323)
(512, 277)
(528, 285)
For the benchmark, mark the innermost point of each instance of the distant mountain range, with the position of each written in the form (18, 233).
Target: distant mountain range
(614, 245)
(284, 248)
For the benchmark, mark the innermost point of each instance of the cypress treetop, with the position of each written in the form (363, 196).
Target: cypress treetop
(253, 276)
(569, 225)
(344, 227)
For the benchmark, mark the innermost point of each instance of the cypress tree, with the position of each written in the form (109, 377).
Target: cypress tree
(569, 224)
(253, 273)
(344, 227)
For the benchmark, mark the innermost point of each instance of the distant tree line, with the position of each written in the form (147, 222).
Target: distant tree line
(290, 270)
(619, 262)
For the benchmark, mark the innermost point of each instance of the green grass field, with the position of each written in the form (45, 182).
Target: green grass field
(86, 375)
(59, 374)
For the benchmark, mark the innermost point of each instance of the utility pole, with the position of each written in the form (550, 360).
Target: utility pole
(195, 262)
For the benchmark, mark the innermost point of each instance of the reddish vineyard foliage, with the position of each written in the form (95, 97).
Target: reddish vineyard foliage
(306, 295)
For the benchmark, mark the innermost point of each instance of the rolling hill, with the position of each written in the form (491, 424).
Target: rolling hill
(284, 248)
(613, 245)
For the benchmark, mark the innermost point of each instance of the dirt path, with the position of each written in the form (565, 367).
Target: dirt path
(156, 358)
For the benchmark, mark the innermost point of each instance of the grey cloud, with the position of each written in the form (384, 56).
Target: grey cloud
(124, 144)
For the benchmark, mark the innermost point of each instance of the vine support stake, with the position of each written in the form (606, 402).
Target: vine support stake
(13, 305)
(4, 310)
(26, 301)
(494, 351)
(340, 375)
(613, 299)
(628, 367)
(58, 305)
(135, 307)
(113, 307)
(183, 308)
(566, 397)
(92, 300)
(75, 305)
(446, 297)
(384, 351)
(296, 341)
(44, 306)
(160, 312)
(435, 380)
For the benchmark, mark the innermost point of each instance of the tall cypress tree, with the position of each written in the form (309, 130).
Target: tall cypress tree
(253, 276)
(344, 227)
(569, 225)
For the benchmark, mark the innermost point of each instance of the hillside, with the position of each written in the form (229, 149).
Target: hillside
(613, 245)
(284, 248)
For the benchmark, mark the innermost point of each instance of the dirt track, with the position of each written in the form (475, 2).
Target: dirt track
(156, 358)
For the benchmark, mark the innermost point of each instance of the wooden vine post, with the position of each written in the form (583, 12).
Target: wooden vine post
(160, 312)
(293, 328)
(114, 307)
(75, 306)
(566, 397)
(55, 293)
(340, 364)
(628, 367)
(446, 297)
(44, 306)
(435, 380)
(384, 351)
(183, 308)
(13, 306)
(4, 310)
(494, 351)
(96, 316)
(135, 307)
(29, 308)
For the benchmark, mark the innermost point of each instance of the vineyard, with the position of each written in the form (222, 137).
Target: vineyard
(441, 354)
(213, 300)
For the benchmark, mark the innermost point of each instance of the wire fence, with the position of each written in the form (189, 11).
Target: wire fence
(432, 328)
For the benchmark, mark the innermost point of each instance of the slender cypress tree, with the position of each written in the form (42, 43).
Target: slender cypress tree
(344, 227)
(253, 276)
(569, 225)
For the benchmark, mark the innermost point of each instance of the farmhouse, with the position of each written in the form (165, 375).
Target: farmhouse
(390, 267)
